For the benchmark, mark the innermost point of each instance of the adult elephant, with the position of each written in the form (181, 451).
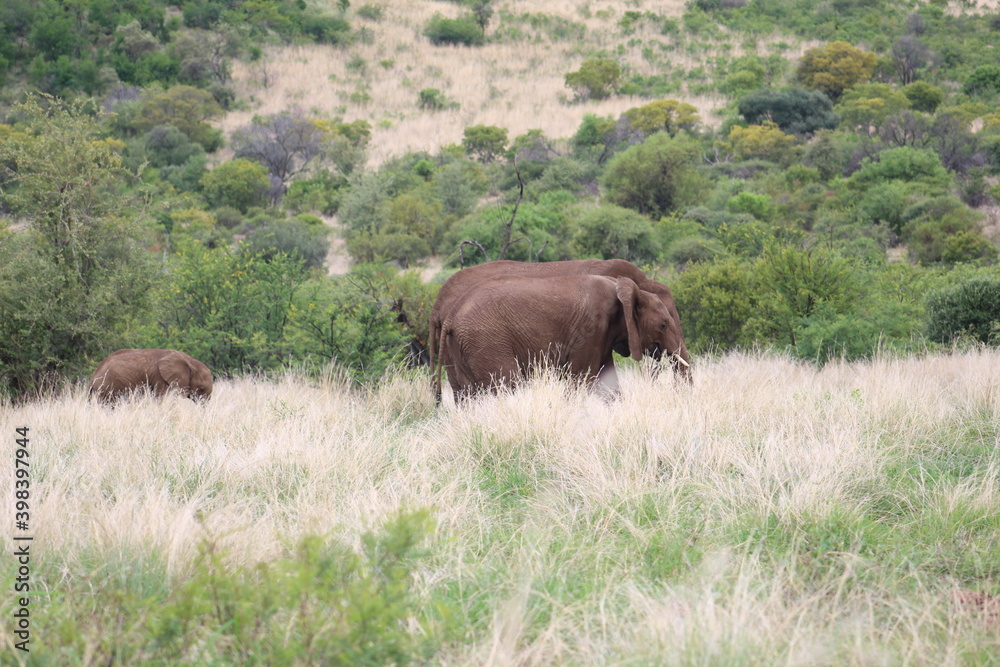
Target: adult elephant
(454, 290)
(503, 327)
(159, 371)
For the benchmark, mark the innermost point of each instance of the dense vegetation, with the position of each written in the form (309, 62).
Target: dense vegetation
(837, 204)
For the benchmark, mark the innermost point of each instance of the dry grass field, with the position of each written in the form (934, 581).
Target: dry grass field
(514, 83)
(771, 513)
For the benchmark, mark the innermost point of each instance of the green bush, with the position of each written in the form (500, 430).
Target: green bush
(656, 176)
(718, 303)
(322, 601)
(485, 143)
(240, 183)
(461, 31)
(289, 237)
(65, 278)
(924, 96)
(597, 79)
(794, 110)
(351, 322)
(969, 309)
(228, 310)
(610, 232)
(985, 80)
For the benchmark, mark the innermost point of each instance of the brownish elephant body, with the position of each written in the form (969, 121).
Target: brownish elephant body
(455, 288)
(503, 327)
(159, 371)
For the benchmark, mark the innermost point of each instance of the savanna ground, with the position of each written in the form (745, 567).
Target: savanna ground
(771, 513)
(516, 82)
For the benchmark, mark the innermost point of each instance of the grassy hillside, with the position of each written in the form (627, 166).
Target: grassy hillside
(771, 513)
(516, 82)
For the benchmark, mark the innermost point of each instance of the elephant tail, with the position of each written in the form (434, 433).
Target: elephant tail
(434, 356)
(437, 363)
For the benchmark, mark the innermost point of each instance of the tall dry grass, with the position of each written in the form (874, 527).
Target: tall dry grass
(517, 85)
(553, 507)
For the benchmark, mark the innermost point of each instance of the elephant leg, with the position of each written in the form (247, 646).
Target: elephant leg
(606, 385)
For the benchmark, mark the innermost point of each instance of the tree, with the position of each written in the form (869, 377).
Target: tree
(793, 109)
(186, 108)
(866, 106)
(924, 96)
(597, 79)
(835, 67)
(909, 55)
(463, 31)
(239, 183)
(611, 232)
(984, 80)
(653, 177)
(669, 116)
(284, 143)
(764, 141)
(970, 308)
(485, 142)
(73, 283)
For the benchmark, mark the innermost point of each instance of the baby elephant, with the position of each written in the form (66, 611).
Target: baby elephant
(157, 370)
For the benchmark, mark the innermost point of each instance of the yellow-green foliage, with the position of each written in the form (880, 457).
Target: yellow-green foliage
(764, 141)
(663, 115)
(835, 67)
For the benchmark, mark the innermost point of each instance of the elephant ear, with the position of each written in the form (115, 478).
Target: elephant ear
(628, 294)
(175, 370)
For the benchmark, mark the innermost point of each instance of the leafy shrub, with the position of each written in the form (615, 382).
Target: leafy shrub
(597, 79)
(835, 67)
(228, 310)
(371, 12)
(984, 80)
(924, 96)
(239, 183)
(431, 99)
(910, 165)
(293, 238)
(793, 110)
(349, 322)
(322, 193)
(63, 280)
(718, 302)
(326, 29)
(461, 31)
(165, 145)
(763, 141)
(187, 108)
(971, 308)
(383, 246)
(668, 116)
(485, 142)
(323, 601)
(758, 205)
(654, 177)
(610, 231)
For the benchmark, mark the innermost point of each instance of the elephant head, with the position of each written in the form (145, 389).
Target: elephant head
(651, 327)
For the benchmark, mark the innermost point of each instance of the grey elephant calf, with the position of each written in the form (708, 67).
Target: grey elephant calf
(159, 371)
(502, 327)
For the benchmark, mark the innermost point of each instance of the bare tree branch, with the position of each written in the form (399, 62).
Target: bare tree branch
(461, 256)
(513, 214)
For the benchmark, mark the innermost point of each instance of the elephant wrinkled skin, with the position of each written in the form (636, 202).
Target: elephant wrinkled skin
(503, 327)
(455, 288)
(159, 371)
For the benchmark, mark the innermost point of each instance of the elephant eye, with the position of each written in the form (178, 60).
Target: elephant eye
(663, 326)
